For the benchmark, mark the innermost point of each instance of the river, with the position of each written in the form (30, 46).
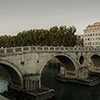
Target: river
(4, 77)
(68, 91)
(63, 91)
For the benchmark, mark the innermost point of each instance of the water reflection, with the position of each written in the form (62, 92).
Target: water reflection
(3, 86)
(4, 77)
(68, 91)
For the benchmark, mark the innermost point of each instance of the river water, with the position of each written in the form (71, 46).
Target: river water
(63, 91)
(68, 91)
(3, 80)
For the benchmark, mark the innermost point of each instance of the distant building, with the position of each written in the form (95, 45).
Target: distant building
(92, 35)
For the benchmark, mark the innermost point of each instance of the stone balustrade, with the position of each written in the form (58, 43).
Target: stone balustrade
(15, 50)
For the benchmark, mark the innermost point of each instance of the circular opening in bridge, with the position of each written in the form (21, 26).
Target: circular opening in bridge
(96, 60)
(81, 60)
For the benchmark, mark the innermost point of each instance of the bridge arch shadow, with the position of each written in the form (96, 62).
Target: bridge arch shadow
(15, 76)
(58, 60)
(65, 60)
(95, 60)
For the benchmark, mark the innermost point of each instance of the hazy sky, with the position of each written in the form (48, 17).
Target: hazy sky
(19, 15)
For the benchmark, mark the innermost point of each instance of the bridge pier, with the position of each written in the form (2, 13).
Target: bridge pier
(32, 89)
(67, 74)
(83, 73)
(32, 82)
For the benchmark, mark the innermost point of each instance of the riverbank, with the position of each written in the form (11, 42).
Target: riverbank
(91, 81)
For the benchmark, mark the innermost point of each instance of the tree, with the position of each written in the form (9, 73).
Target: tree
(55, 36)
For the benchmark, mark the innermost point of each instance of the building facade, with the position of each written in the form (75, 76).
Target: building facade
(92, 35)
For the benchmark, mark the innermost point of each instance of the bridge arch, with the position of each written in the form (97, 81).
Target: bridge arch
(66, 62)
(95, 59)
(16, 78)
(62, 58)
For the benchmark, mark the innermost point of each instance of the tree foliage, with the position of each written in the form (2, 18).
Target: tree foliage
(55, 36)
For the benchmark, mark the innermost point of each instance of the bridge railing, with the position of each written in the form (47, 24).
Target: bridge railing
(24, 49)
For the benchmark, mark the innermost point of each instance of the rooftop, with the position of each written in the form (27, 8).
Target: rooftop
(95, 26)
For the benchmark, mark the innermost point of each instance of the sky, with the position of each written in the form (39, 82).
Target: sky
(19, 15)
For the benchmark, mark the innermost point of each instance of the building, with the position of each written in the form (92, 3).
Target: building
(92, 35)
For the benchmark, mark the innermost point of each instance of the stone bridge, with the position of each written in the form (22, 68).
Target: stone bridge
(25, 64)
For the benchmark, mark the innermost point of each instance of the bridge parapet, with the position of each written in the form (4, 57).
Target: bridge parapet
(26, 49)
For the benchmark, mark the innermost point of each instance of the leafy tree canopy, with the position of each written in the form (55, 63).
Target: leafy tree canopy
(55, 36)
